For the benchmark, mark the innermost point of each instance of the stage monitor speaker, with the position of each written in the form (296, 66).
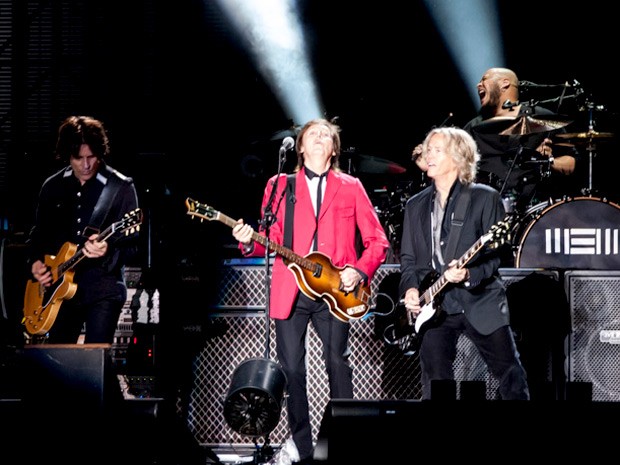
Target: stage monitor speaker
(401, 431)
(594, 341)
(14, 273)
(68, 377)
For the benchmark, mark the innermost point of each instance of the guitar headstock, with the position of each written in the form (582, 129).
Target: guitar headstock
(200, 210)
(501, 232)
(130, 222)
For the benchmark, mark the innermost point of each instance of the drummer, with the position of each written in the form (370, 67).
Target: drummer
(518, 156)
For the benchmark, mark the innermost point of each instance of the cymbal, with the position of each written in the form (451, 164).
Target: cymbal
(527, 124)
(375, 165)
(586, 135)
(495, 125)
(289, 132)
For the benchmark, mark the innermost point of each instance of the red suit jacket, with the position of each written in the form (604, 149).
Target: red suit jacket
(345, 208)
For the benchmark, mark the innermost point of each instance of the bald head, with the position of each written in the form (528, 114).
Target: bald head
(497, 86)
(504, 73)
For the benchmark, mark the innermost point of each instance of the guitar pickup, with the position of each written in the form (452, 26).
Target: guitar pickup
(318, 269)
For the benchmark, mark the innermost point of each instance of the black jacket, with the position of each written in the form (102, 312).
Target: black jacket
(64, 212)
(483, 298)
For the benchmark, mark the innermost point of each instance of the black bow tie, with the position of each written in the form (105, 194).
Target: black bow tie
(311, 174)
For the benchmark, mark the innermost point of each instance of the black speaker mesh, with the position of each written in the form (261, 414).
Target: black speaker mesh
(532, 331)
(594, 343)
(381, 372)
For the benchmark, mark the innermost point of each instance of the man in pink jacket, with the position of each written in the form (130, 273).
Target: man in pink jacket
(352, 244)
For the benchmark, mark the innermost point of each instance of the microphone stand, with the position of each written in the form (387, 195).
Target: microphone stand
(269, 218)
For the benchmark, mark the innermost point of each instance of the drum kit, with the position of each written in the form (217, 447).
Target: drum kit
(580, 232)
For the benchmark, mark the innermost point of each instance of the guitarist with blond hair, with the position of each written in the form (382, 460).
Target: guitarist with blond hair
(75, 205)
(344, 209)
(441, 223)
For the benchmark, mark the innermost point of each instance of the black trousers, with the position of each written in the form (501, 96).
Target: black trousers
(100, 319)
(498, 350)
(291, 351)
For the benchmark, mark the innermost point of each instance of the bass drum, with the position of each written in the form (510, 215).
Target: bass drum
(575, 233)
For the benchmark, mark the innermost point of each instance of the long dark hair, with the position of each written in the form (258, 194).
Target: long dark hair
(77, 130)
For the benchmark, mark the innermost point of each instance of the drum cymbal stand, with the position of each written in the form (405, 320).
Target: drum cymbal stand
(502, 191)
(591, 149)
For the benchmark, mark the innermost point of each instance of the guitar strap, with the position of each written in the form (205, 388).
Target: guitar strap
(106, 199)
(457, 223)
(290, 210)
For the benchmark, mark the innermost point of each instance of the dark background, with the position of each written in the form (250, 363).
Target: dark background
(188, 114)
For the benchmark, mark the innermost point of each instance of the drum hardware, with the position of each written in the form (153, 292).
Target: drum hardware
(543, 162)
(589, 137)
(369, 164)
(590, 134)
(513, 163)
(520, 126)
(564, 144)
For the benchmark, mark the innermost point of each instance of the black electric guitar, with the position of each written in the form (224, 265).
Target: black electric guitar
(407, 329)
(316, 275)
(42, 303)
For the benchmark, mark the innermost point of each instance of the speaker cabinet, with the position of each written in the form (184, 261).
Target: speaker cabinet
(14, 272)
(539, 320)
(594, 342)
(68, 377)
(234, 333)
(380, 372)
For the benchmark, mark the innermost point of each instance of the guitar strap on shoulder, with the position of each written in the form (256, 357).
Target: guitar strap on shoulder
(457, 223)
(290, 210)
(106, 199)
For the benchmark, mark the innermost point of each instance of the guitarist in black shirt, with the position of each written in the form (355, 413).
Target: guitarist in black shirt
(474, 300)
(75, 205)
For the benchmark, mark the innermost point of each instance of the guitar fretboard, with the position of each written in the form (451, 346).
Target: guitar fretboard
(441, 282)
(285, 252)
(132, 219)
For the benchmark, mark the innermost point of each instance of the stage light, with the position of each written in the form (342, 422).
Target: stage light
(473, 37)
(273, 34)
(254, 402)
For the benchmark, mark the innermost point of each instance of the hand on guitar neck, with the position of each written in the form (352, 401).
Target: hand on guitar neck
(94, 247)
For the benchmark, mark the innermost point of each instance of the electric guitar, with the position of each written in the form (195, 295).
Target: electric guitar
(408, 329)
(316, 275)
(42, 303)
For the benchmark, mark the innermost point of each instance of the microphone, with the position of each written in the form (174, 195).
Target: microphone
(509, 104)
(287, 144)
